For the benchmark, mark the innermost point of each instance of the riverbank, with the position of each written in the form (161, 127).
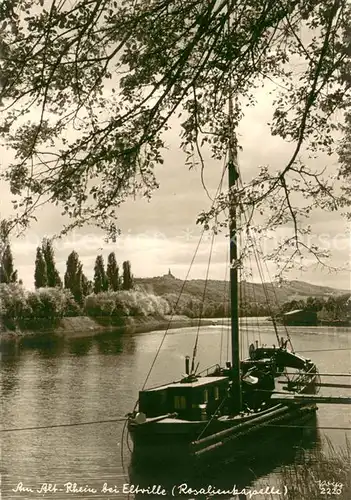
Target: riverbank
(84, 326)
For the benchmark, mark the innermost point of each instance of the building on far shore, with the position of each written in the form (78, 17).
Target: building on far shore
(300, 317)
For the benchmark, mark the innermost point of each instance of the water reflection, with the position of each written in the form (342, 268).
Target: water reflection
(110, 344)
(53, 346)
(9, 349)
(80, 347)
(96, 379)
(244, 471)
(10, 378)
(47, 346)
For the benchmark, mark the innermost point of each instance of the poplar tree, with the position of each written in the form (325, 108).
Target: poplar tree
(7, 272)
(112, 272)
(4, 236)
(77, 290)
(87, 286)
(40, 272)
(100, 278)
(128, 281)
(73, 279)
(53, 276)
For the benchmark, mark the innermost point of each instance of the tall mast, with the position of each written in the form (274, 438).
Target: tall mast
(233, 258)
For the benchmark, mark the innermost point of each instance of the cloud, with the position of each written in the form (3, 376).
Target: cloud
(152, 253)
(163, 233)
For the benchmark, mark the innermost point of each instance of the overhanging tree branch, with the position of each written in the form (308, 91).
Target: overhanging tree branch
(159, 58)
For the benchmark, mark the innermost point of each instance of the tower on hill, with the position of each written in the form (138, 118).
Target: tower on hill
(168, 275)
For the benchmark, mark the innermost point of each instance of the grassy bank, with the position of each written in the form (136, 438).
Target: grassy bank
(321, 472)
(53, 311)
(84, 326)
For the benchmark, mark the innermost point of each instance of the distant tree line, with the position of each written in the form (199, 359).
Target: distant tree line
(47, 275)
(193, 307)
(8, 274)
(107, 294)
(334, 307)
(55, 303)
(54, 297)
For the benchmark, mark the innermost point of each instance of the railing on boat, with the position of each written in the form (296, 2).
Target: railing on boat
(206, 371)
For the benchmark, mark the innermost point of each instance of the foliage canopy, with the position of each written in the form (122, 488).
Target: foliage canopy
(90, 86)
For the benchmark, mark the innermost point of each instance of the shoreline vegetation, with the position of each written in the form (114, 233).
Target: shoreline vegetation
(320, 473)
(114, 299)
(55, 311)
(85, 326)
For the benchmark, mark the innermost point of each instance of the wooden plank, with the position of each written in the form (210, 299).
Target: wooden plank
(310, 398)
(318, 384)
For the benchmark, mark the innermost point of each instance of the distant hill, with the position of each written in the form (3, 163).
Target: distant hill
(217, 291)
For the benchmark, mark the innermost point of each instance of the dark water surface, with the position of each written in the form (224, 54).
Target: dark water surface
(81, 380)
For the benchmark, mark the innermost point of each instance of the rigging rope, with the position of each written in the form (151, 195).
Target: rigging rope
(255, 245)
(175, 307)
(256, 303)
(225, 296)
(242, 304)
(277, 302)
(54, 426)
(202, 305)
(219, 188)
(322, 427)
(260, 270)
(212, 417)
(258, 263)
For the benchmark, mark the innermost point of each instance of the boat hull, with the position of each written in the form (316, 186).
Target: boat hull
(184, 435)
(172, 441)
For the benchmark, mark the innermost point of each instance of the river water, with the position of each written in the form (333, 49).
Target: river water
(82, 380)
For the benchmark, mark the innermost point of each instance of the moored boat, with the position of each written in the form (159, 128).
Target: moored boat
(230, 408)
(197, 418)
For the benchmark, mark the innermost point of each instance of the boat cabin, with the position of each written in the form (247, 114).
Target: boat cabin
(191, 399)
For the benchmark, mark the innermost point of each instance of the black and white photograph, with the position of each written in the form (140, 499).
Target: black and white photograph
(175, 249)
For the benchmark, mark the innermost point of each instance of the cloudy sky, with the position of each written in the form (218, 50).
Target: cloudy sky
(162, 233)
